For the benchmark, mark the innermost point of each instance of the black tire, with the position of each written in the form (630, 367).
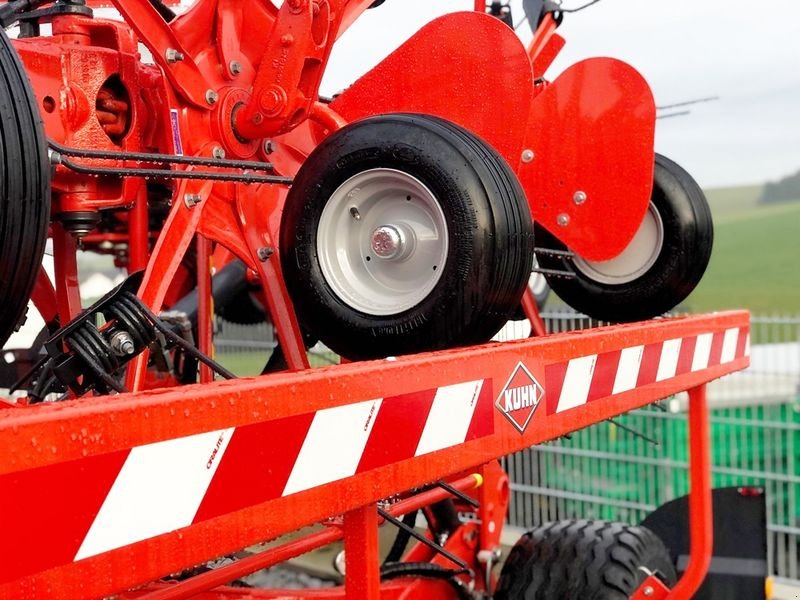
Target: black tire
(24, 189)
(489, 237)
(583, 560)
(688, 235)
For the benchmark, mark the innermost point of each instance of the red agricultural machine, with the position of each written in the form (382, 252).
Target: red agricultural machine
(400, 218)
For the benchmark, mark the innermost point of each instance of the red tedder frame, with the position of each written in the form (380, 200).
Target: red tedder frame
(106, 494)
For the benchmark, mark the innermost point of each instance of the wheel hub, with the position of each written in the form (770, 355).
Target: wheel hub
(382, 241)
(388, 242)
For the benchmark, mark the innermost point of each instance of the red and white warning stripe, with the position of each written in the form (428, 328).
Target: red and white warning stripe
(118, 499)
(587, 378)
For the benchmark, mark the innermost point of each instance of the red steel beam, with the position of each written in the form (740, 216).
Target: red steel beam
(402, 410)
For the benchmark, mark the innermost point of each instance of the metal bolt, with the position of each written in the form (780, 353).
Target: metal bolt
(264, 253)
(235, 67)
(218, 152)
(527, 156)
(212, 97)
(579, 197)
(122, 344)
(648, 591)
(269, 147)
(562, 220)
(354, 213)
(173, 55)
(192, 200)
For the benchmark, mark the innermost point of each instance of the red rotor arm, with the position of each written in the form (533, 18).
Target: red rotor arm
(290, 71)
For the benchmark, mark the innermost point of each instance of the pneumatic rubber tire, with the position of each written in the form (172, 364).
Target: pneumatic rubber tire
(583, 560)
(677, 268)
(24, 189)
(477, 220)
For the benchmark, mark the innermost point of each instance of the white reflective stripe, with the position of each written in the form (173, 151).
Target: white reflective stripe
(449, 417)
(577, 381)
(668, 363)
(702, 349)
(628, 370)
(729, 345)
(333, 445)
(158, 490)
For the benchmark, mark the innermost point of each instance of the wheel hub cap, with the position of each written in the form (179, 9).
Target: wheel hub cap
(387, 242)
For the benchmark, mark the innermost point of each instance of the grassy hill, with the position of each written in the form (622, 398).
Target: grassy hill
(755, 262)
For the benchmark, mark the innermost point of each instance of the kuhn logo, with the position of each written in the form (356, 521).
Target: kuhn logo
(519, 397)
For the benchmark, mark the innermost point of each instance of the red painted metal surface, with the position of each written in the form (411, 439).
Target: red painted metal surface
(604, 114)
(652, 588)
(700, 502)
(278, 422)
(489, 101)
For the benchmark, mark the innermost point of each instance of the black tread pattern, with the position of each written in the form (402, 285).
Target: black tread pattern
(491, 237)
(688, 240)
(582, 560)
(24, 189)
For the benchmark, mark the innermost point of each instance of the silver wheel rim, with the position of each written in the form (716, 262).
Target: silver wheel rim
(382, 242)
(537, 282)
(635, 260)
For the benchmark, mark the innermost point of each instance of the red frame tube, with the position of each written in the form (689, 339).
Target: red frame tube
(701, 517)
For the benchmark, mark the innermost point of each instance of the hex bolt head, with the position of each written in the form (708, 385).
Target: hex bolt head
(192, 200)
(264, 253)
(579, 197)
(218, 152)
(527, 155)
(212, 97)
(173, 55)
(562, 220)
(235, 67)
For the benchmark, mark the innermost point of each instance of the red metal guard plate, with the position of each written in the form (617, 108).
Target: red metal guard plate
(466, 67)
(592, 130)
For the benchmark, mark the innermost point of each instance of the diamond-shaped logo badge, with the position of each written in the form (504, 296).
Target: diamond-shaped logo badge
(519, 397)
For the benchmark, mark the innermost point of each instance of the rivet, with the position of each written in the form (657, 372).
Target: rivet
(527, 155)
(648, 591)
(579, 197)
(562, 220)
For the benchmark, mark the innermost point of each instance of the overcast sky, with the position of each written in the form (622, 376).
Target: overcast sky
(746, 52)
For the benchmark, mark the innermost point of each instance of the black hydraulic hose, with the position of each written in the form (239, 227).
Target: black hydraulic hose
(401, 541)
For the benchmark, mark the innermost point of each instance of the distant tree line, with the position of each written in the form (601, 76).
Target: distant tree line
(784, 189)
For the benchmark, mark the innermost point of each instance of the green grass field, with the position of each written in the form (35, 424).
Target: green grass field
(756, 254)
